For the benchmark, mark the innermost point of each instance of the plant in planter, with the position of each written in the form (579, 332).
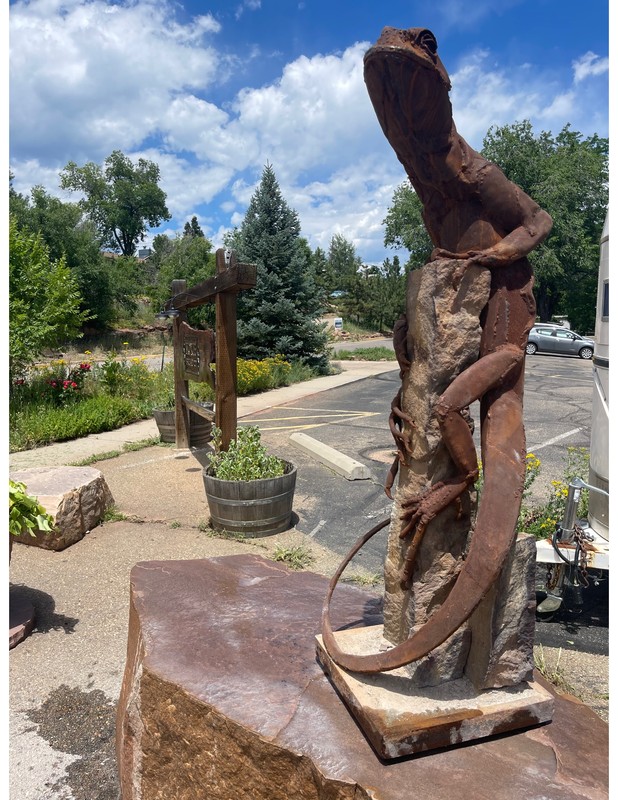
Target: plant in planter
(26, 514)
(248, 490)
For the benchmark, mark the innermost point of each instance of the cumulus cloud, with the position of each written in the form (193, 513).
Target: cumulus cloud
(89, 78)
(94, 74)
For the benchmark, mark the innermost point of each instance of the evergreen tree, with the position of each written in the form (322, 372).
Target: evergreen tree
(343, 263)
(279, 316)
(193, 228)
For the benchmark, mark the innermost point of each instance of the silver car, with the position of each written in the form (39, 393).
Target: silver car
(559, 340)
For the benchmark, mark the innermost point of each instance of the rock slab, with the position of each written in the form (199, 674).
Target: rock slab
(399, 718)
(223, 698)
(76, 498)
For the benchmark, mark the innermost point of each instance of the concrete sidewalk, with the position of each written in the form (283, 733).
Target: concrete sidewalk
(64, 453)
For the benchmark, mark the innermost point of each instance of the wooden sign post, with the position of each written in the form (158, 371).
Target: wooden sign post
(193, 349)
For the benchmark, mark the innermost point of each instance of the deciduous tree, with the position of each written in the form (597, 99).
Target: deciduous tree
(44, 300)
(122, 199)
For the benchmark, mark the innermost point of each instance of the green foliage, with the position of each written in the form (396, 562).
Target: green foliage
(26, 514)
(365, 354)
(68, 236)
(189, 258)
(34, 426)
(567, 175)
(404, 226)
(122, 199)
(376, 297)
(541, 521)
(296, 557)
(343, 263)
(246, 459)
(44, 300)
(281, 314)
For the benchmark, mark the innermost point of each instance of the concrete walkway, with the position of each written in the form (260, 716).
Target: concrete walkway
(64, 453)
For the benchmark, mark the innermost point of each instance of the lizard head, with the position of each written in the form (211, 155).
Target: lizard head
(409, 88)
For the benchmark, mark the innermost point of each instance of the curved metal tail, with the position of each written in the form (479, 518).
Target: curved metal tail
(489, 548)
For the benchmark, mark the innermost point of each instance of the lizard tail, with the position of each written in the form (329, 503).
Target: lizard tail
(489, 547)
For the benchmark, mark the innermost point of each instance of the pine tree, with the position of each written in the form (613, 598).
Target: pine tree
(279, 316)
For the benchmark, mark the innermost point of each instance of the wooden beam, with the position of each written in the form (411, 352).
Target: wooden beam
(181, 386)
(231, 279)
(192, 405)
(225, 347)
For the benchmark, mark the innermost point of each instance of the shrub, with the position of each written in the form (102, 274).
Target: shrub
(246, 459)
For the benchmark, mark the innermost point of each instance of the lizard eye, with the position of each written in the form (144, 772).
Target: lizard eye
(427, 40)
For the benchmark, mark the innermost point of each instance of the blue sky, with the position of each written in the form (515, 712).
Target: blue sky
(211, 91)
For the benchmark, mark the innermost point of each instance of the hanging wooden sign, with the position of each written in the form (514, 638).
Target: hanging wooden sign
(197, 349)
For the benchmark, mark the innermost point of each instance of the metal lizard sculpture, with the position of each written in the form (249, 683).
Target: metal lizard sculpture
(472, 213)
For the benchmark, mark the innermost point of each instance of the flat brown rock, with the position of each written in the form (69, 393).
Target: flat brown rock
(223, 698)
(76, 498)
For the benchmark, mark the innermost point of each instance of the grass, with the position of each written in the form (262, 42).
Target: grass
(555, 674)
(112, 514)
(61, 401)
(364, 579)
(296, 557)
(130, 447)
(365, 354)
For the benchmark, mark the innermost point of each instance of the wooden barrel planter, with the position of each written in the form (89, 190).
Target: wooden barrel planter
(201, 428)
(253, 508)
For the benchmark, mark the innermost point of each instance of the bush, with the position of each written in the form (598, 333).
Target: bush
(246, 459)
(61, 401)
(542, 520)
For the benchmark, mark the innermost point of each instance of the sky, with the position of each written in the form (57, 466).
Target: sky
(213, 91)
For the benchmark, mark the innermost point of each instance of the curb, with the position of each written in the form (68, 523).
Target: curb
(338, 462)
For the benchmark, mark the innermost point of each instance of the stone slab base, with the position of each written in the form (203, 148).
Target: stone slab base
(400, 720)
(21, 618)
(223, 699)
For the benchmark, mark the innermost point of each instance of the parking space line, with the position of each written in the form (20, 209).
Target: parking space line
(554, 440)
(329, 417)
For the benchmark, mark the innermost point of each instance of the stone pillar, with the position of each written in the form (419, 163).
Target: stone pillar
(443, 340)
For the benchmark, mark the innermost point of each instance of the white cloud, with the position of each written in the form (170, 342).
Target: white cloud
(590, 64)
(94, 77)
(88, 78)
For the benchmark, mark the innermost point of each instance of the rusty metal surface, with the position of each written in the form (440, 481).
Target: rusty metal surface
(473, 213)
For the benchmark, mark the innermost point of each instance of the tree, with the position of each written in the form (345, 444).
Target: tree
(321, 272)
(279, 316)
(67, 236)
(405, 227)
(343, 263)
(189, 258)
(122, 200)
(377, 296)
(567, 175)
(193, 228)
(44, 300)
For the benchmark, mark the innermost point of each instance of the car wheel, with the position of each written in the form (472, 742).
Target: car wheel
(531, 348)
(585, 352)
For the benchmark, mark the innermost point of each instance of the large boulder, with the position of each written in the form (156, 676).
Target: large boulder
(76, 498)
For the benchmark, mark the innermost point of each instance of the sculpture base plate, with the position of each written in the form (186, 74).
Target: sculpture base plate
(399, 719)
